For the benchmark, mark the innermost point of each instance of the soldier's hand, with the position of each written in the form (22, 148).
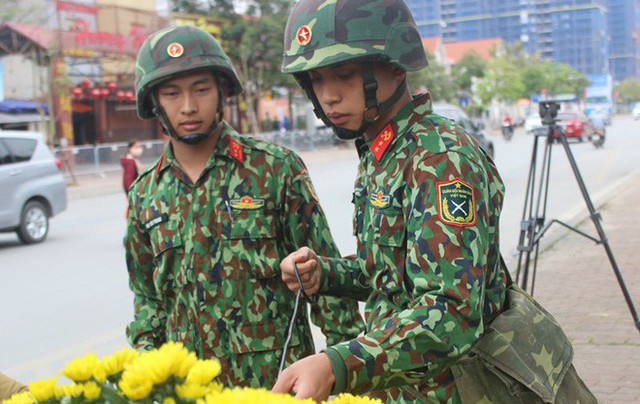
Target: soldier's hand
(310, 377)
(307, 262)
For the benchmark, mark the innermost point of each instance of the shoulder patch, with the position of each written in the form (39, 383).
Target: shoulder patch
(456, 203)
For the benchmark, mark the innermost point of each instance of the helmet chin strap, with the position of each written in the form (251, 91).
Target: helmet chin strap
(373, 109)
(194, 138)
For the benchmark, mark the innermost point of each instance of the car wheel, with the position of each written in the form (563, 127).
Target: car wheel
(34, 223)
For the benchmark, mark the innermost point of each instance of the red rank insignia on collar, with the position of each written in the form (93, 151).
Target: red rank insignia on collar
(382, 141)
(159, 166)
(235, 150)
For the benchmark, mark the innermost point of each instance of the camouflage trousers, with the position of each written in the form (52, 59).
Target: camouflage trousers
(523, 357)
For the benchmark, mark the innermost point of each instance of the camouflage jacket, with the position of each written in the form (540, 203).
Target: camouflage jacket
(204, 259)
(427, 202)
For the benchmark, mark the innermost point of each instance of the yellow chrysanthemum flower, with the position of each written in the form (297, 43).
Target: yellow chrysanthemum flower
(147, 368)
(20, 398)
(345, 398)
(203, 371)
(180, 358)
(91, 391)
(252, 396)
(169, 400)
(214, 387)
(81, 369)
(69, 390)
(191, 391)
(135, 386)
(115, 363)
(43, 390)
(99, 372)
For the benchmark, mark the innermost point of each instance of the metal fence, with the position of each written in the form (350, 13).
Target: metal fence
(105, 158)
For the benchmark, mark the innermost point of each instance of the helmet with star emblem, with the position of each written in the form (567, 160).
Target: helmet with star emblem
(177, 50)
(321, 33)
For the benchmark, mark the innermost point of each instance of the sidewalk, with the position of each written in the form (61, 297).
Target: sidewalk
(575, 282)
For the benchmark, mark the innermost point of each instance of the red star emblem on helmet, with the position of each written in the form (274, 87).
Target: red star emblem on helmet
(175, 50)
(304, 35)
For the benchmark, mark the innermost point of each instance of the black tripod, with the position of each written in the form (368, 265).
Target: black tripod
(533, 225)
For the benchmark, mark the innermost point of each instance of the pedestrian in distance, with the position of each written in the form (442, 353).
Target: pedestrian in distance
(211, 220)
(427, 203)
(131, 164)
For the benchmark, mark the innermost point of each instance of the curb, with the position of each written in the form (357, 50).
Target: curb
(578, 215)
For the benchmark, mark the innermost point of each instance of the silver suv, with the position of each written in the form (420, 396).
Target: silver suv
(32, 187)
(457, 115)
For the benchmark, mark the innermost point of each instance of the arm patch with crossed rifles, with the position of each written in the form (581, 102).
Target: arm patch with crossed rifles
(456, 203)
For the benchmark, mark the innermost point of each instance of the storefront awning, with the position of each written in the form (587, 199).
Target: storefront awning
(24, 39)
(22, 107)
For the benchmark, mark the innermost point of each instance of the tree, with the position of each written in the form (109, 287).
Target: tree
(563, 79)
(629, 90)
(189, 6)
(471, 65)
(253, 42)
(502, 81)
(26, 12)
(433, 78)
(534, 79)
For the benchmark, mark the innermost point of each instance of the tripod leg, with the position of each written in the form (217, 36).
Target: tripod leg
(595, 217)
(530, 227)
(527, 224)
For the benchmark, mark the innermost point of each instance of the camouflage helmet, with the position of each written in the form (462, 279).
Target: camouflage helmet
(173, 51)
(320, 33)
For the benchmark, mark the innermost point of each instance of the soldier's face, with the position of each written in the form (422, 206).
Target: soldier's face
(190, 102)
(340, 91)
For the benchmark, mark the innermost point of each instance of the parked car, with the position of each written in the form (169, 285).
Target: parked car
(635, 112)
(532, 122)
(575, 125)
(460, 117)
(32, 184)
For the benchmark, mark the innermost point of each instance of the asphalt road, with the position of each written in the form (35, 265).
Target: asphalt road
(69, 296)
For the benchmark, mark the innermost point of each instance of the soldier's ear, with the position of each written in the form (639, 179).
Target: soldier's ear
(399, 74)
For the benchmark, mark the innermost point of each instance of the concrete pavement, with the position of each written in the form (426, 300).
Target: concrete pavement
(575, 282)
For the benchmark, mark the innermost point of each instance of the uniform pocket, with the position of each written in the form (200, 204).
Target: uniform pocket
(250, 242)
(165, 237)
(388, 227)
(263, 336)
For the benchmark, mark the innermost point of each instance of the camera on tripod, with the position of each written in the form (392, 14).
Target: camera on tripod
(548, 111)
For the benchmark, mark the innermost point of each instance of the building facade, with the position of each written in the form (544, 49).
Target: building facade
(593, 37)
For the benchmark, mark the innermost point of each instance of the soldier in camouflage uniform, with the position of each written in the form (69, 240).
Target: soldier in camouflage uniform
(427, 201)
(210, 222)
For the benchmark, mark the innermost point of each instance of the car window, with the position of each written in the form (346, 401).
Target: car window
(20, 149)
(467, 125)
(5, 156)
(447, 113)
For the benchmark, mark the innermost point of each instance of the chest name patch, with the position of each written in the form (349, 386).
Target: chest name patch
(456, 203)
(246, 203)
(155, 221)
